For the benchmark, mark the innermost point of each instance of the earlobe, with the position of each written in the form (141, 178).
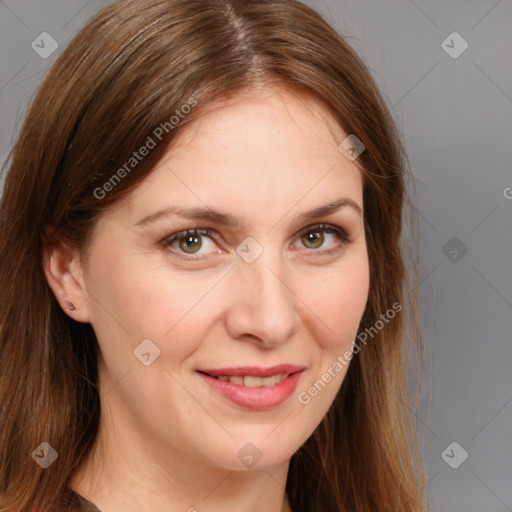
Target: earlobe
(63, 270)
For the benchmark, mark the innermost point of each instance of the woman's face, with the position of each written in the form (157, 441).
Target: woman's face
(268, 291)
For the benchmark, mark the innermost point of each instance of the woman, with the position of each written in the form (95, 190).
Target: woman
(203, 283)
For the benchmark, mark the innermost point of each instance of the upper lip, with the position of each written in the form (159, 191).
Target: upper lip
(256, 371)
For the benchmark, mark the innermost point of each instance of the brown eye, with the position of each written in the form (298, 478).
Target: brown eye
(323, 239)
(190, 243)
(315, 238)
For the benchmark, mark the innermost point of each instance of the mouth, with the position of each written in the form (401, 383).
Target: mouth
(254, 387)
(250, 381)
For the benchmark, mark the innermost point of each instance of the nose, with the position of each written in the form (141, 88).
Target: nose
(262, 307)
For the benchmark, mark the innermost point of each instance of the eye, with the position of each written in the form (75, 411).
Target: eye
(187, 244)
(314, 237)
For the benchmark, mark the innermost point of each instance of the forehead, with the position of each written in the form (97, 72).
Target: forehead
(260, 116)
(267, 151)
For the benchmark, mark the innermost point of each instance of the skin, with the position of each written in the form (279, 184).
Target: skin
(166, 440)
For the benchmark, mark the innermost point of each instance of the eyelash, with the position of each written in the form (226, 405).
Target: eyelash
(326, 228)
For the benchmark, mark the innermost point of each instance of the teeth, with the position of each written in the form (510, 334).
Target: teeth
(250, 381)
(254, 382)
(267, 381)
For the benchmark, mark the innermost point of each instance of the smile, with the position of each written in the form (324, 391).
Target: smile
(250, 381)
(252, 387)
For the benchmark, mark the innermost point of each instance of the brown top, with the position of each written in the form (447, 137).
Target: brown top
(74, 502)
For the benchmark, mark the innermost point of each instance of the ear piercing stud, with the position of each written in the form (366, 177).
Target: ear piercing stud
(70, 305)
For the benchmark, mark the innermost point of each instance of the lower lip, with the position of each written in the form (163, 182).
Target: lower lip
(258, 398)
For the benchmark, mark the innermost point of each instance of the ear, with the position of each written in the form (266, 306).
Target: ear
(64, 273)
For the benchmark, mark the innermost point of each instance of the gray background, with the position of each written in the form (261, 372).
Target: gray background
(456, 116)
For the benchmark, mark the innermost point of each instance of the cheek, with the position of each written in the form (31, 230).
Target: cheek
(337, 303)
(134, 301)
(336, 311)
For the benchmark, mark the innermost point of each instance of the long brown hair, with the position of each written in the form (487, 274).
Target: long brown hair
(133, 67)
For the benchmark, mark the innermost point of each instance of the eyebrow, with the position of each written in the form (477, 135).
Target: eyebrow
(230, 221)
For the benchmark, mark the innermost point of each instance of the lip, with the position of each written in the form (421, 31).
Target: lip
(257, 398)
